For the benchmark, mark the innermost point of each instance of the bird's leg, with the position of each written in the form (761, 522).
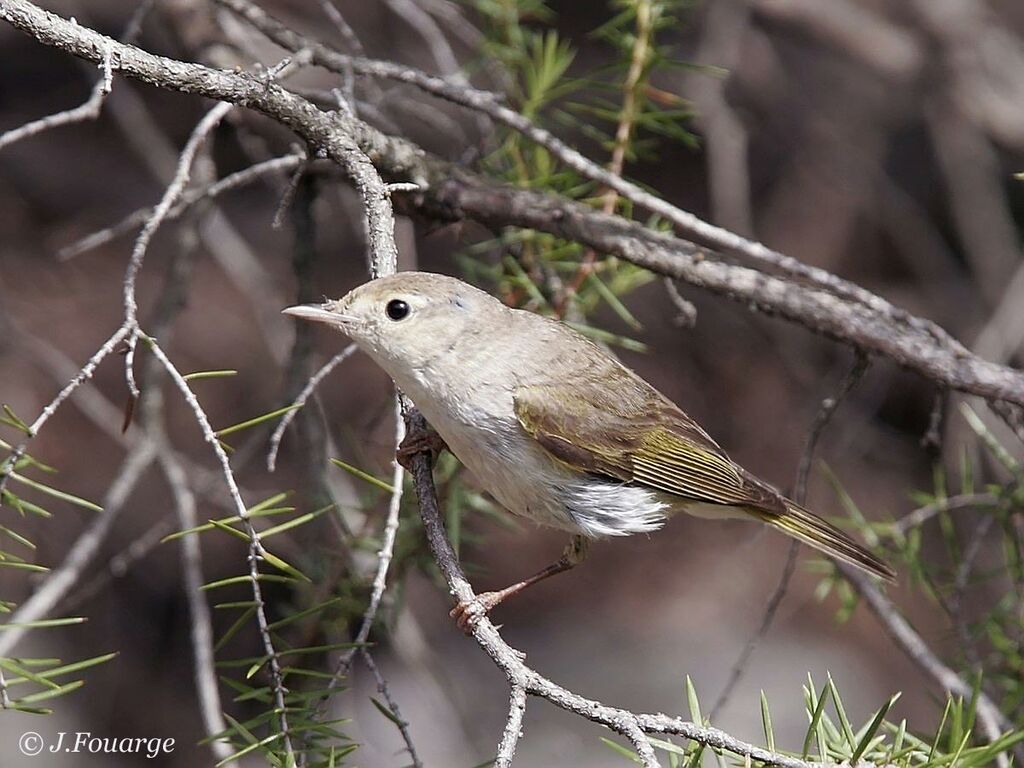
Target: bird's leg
(466, 614)
(420, 442)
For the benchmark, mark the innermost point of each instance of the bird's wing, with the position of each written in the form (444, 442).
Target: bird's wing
(619, 426)
(623, 428)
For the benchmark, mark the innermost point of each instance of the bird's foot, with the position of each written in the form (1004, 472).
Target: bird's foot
(468, 613)
(420, 442)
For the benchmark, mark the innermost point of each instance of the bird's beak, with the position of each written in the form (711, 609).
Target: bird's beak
(320, 313)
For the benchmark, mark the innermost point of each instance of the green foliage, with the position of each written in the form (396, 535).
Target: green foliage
(832, 737)
(967, 556)
(28, 681)
(617, 107)
(301, 614)
(962, 547)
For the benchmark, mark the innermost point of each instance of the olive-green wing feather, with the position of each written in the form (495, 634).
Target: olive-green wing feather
(638, 437)
(620, 427)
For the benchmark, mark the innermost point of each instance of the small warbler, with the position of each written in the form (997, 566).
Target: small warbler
(554, 427)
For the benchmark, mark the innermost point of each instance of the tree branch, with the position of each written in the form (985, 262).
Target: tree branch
(512, 662)
(487, 103)
(89, 110)
(451, 193)
(819, 301)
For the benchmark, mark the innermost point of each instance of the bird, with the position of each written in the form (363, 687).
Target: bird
(554, 427)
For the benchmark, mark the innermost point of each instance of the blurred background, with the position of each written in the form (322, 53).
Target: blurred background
(876, 139)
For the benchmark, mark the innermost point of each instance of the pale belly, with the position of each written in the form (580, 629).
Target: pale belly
(527, 481)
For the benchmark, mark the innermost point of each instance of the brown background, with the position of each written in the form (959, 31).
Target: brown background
(858, 161)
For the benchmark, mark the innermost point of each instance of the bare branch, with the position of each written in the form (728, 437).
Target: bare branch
(344, 28)
(451, 193)
(923, 514)
(513, 727)
(289, 195)
(255, 546)
(384, 556)
(821, 420)
(171, 194)
(83, 375)
(188, 199)
(199, 611)
(90, 110)
(512, 663)
(300, 401)
(687, 313)
(5, 698)
(328, 58)
(424, 25)
(400, 722)
(991, 720)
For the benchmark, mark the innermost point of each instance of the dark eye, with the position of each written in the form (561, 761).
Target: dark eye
(397, 309)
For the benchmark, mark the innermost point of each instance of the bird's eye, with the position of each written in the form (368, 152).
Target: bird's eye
(397, 309)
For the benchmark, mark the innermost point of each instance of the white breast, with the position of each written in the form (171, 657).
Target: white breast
(527, 481)
(473, 411)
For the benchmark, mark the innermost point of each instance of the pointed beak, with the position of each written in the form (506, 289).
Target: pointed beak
(319, 313)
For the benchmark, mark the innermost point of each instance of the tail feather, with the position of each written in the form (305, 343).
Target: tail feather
(802, 524)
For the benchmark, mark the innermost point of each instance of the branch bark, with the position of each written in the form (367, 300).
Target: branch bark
(813, 298)
(450, 193)
(513, 664)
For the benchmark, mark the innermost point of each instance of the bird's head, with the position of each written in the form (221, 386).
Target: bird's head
(405, 321)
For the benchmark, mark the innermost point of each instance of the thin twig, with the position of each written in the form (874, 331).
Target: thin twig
(992, 721)
(167, 200)
(954, 604)
(300, 401)
(400, 722)
(921, 515)
(384, 556)
(424, 25)
(90, 110)
(199, 612)
(188, 199)
(288, 195)
(346, 96)
(686, 316)
(344, 28)
(84, 374)
(255, 545)
(5, 699)
(119, 565)
(821, 420)
(133, 28)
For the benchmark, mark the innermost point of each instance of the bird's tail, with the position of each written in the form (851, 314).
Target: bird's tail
(802, 524)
